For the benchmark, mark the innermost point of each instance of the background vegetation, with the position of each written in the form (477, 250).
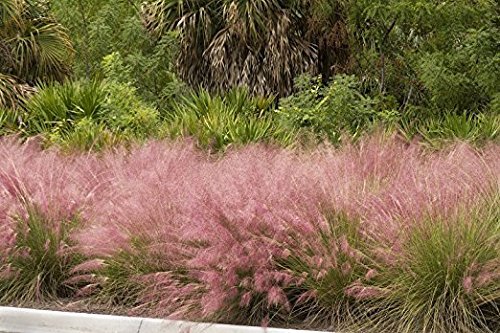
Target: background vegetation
(333, 69)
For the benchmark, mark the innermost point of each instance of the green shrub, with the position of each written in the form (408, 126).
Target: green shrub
(85, 135)
(90, 114)
(114, 68)
(217, 122)
(157, 83)
(329, 111)
(464, 127)
(437, 130)
(126, 113)
(467, 78)
(439, 55)
(112, 43)
(57, 107)
(98, 27)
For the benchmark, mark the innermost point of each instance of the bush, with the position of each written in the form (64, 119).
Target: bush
(89, 114)
(329, 111)
(442, 129)
(86, 135)
(436, 55)
(217, 122)
(56, 108)
(126, 113)
(111, 43)
(152, 75)
(466, 79)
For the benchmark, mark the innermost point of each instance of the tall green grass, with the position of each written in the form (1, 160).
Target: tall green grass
(39, 266)
(445, 278)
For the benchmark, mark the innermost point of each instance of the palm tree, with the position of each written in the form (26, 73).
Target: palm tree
(263, 44)
(33, 47)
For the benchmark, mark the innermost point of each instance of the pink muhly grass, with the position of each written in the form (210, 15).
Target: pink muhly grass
(242, 229)
(246, 236)
(88, 266)
(138, 229)
(58, 186)
(468, 284)
(361, 292)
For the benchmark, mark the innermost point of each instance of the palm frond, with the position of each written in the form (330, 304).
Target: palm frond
(261, 44)
(33, 45)
(13, 92)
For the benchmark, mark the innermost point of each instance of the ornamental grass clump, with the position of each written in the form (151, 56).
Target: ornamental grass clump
(446, 276)
(239, 225)
(41, 197)
(137, 229)
(39, 264)
(329, 265)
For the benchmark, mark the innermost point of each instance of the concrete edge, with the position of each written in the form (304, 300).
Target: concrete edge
(22, 320)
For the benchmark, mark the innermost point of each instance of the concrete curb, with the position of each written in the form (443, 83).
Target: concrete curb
(20, 320)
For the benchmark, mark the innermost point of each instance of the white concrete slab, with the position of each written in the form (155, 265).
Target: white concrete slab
(20, 320)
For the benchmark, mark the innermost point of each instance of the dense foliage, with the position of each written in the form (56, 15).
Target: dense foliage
(335, 69)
